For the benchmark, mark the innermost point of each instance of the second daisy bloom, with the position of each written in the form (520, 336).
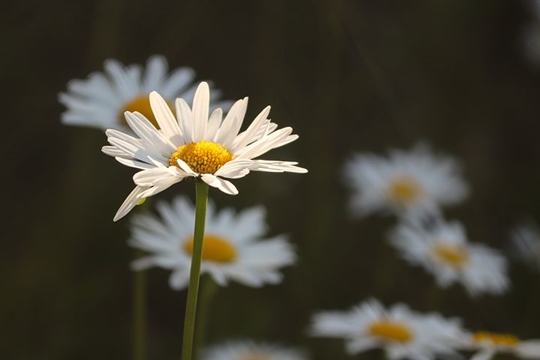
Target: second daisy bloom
(195, 144)
(232, 247)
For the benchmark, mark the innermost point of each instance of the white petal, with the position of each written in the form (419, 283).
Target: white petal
(183, 114)
(165, 118)
(484, 354)
(235, 169)
(226, 186)
(231, 124)
(201, 103)
(529, 349)
(131, 201)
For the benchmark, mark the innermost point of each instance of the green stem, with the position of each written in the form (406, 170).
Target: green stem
(207, 291)
(139, 312)
(201, 198)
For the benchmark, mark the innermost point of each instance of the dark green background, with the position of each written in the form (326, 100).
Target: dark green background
(347, 76)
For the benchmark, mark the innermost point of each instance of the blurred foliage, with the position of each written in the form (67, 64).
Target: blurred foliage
(347, 76)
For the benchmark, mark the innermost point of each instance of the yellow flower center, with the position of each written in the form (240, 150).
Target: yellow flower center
(391, 331)
(204, 157)
(253, 356)
(404, 190)
(215, 248)
(495, 339)
(141, 104)
(453, 255)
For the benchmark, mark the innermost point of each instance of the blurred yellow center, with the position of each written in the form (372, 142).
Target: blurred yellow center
(140, 104)
(453, 255)
(215, 249)
(391, 331)
(404, 190)
(204, 157)
(253, 356)
(496, 339)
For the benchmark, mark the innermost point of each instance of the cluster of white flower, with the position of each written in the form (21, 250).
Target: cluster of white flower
(151, 127)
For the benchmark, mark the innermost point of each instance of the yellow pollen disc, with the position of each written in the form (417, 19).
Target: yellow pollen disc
(391, 331)
(215, 249)
(404, 190)
(253, 356)
(204, 157)
(140, 104)
(495, 339)
(453, 255)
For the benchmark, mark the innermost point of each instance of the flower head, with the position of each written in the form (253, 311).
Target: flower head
(250, 350)
(195, 144)
(232, 247)
(101, 100)
(405, 181)
(444, 251)
(401, 332)
(487, 344)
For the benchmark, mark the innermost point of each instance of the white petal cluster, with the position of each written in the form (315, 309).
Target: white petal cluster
(248, 349)
(257, 262)
(430, 334)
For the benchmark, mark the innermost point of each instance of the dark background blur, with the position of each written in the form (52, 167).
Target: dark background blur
(347, 76)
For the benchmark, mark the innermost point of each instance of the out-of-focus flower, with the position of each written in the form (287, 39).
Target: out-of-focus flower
(101, 100)
(232, 247)
(251, 350)
(415, 180)
(531, 35)
(401, 332)
(487, 344)
(526, 244)
(195, 144)
(445, 252)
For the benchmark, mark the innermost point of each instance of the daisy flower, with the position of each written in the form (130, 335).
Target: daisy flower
(195, 144)
(445, 252)
(401, 332)
(250, 350)
(415, 180)
(487, 344)
(101, 100)
(526, 244)
(232, 247)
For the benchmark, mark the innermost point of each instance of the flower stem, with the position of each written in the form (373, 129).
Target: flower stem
(139, 312)
(201, 199)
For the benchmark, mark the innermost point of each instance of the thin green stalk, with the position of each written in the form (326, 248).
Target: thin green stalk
(201, 199)
(208, 289)
(139, 312)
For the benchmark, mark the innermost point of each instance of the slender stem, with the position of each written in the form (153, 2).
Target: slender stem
(208, 289)
(139, 312)
(201, 198)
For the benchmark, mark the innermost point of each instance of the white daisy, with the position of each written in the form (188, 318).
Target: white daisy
(232, 247)
(250, 350)
(487, 344)
(444, 251)
(195, 145)
(101, 100)
(405, 181)
(526, 244)
(401, 332)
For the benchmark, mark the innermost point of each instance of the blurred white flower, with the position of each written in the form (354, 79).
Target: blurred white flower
(487, 344)
(232, 247)
(526, 244)
(251, 350)
(444, 251)
(415, 180)
(101, 100)
(401, 332)
(195, 144)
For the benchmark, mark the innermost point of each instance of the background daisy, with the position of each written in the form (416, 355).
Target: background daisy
(101, 100)
(251, 350)
(487, 344)
(414, 180)
(401, 332)
(232, 251)
(444, 251)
